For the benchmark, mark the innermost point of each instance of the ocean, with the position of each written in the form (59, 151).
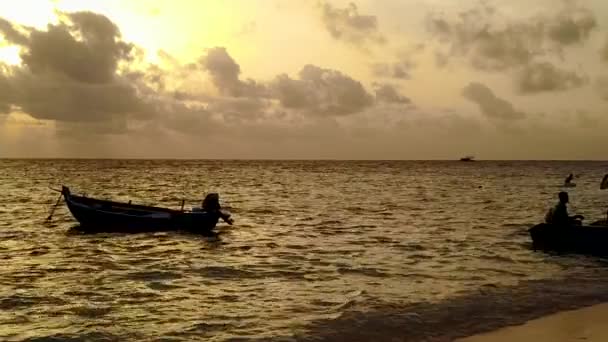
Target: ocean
(320, 251)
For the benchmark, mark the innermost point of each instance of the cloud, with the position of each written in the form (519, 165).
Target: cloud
(46, 97)
(82, 76)
(539, 77)
(489, 48)
(403, 66)
(70, 71)
(572, 26)
(194, 120)
(225, 74)
(178, 109)
(239, 110)
(348, 25)
(490, 105)
(321, 91)
(495, 44)
(388, 94)
(6, 90)
(91, 59)
(10, 33)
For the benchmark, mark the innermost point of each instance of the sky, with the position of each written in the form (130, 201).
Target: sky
(307, 79)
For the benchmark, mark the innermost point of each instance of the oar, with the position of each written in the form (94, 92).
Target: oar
(55, 206)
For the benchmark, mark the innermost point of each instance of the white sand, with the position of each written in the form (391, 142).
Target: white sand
(588, 324)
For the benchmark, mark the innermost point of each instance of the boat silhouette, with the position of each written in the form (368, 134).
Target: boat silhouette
(97, 215)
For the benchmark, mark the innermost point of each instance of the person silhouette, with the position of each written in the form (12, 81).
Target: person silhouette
(558, 215)
(211, 204)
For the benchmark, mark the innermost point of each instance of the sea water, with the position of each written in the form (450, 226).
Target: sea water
(320, 250)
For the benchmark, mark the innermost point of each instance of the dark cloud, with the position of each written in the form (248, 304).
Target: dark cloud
(321, 91)
(240, 109)
(70, 71)
(87, 48)
(490, 105)
(494, 44)
(195, 121)
(348, 25)
(539, 77)
(223, 69)
(293, 93)
(47, 97)
(387, 93)
(10, 33)
(490, 48)
(225, 73)
(572, 26)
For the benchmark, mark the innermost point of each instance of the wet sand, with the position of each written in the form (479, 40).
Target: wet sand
(587, 324)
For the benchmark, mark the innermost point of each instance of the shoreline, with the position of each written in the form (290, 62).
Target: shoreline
(585, 324)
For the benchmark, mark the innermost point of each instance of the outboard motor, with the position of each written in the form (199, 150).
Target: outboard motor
(211, 202)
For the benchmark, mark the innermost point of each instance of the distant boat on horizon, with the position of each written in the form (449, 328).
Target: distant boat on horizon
(467, 159)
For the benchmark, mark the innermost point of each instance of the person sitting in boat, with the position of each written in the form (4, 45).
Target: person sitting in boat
(211, 204)
(558, 215)
(604, 182)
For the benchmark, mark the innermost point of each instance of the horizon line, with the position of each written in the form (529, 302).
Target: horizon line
(290, 159)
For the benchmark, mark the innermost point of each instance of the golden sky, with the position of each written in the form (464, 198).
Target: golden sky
(390, 79)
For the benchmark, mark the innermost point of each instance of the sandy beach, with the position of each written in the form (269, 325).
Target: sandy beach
(587, 324)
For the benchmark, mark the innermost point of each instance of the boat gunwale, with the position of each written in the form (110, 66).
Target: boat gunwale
(85, 207)
(89, 202)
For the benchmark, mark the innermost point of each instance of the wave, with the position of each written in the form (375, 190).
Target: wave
(486, 309)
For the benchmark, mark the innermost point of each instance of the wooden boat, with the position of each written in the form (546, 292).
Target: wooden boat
(96, 215)
(586, 239)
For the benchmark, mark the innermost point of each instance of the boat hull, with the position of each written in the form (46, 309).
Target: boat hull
(107, 216)
(588, 239)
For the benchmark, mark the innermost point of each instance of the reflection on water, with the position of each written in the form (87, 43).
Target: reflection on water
(314, 243)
